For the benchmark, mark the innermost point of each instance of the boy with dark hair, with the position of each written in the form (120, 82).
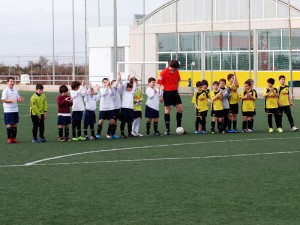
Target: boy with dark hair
(152, 106)
(226, 106)
(38, 112)
(216, 107)
(10, 98)
(271, 105)
(64, 103)
(200, 100)
(285, 102)
(78, 91)
(233, 101)
(169, 79)
(248, 97)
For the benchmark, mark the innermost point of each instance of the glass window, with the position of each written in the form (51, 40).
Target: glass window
(269, 9)
(199, 10)
(233, 9)
(164, 57)
(281, 61)
(257, 9)
(121, 58)
(228, 61)
(265, 61)
(269, 40)
(244, 9)
(221, 9)
(187, 10)
(166, 42)
(182, 61)
(196, 58)
(243, 60)
(190, 42)
(216, 61)
(239, 40)
(296, 61)
(167, 15)
(220, 41)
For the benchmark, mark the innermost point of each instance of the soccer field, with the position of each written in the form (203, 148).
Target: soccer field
(243, 178)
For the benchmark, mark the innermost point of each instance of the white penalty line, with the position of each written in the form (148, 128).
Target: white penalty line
(156, 159)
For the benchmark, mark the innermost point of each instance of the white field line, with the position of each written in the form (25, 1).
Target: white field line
(153, 146)
(157, 159)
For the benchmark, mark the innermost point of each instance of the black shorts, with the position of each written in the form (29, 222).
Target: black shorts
(271, 111)
(107, 115)
(89, 117)
(126, 115)
(234, 108)
(11, 118)
(248, 113)
(171, 98)
(226, 112)
(151, 113)
(286, 109)
(217, 113)
(137, 114)
(77, 115)
(201, 114)
(63, 120)
(117, 114)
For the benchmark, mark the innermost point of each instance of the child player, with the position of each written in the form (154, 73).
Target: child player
(233, 101)
(152, 106)
(248, 97)
(89, 115)
(78, 91)
(226, 106)
(200, 100)
(271, 105)
(285, 103)
(64, 103)
(38, 112)
(137, 100)
(216, 107)
(10, 98)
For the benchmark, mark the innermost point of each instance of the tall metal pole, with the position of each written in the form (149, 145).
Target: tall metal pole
(115, 50)
(176, 30)
(53, 46)
(144, 49)
(211, 41)
(98, 13)
(249, 43)
(85, 35)
(73, 26)
(291, 53)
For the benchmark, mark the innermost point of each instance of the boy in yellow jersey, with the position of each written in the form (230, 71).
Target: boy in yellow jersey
(216, 107)
(233, 101)
(200, 100)
(137, 100)
(248, 97)
(285, 102)
(271, 105)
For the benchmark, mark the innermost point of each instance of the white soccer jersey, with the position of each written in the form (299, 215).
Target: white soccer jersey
(91, 101)
(117, 96)
(78, 104)
(152, 98)
(106, 99)
(127, 97)
(7, 94)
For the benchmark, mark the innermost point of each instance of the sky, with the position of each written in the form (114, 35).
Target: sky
(26, 26)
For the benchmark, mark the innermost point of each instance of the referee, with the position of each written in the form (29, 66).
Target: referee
(169, 79)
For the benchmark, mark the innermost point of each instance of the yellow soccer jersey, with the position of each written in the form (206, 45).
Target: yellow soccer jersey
(248, 105)
(271, 101)
(137, 100)
(216, 104)
(201, 99)
(234, 98)
(284, 95)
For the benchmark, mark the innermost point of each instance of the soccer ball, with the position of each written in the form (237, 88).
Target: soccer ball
(179, 130)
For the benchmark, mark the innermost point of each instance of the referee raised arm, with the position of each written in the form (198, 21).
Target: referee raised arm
(169, 79)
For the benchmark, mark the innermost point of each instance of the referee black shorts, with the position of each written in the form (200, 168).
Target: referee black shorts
(171, 98)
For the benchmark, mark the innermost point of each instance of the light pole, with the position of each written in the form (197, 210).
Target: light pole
(53, 46)
(73, 58)
(115, 53)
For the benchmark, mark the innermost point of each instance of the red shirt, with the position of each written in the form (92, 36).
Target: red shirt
(169, 80)
(63, 105)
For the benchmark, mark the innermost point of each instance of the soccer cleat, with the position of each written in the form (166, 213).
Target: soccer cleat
(294, 128)
(42, 140)
(92, 138)
(212, 131)
(203, 132)
(244, 130)
(271, 130)
(156, 134)
(134, 134)
(9, 141)
(249, 131)
(130, 135)
(167, 132)
(140, 135)
(67, 139)
(279, 129)
(123, 136)
(61, 139)
(14, 140)
(75, 139)
(196, 132)
(80, 138)
(115, 137)
(35, 140)
(108, 136)
(234, 131)
(87, 138)
(229, 131)
(98, 136)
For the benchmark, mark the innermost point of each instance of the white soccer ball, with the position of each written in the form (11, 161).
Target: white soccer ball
(179, 130)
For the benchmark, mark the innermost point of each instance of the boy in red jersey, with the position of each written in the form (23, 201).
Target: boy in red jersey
(170, 79)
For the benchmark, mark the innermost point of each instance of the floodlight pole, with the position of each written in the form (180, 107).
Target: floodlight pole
(115, 49)
(291, 53)
(73, 27)
(98, 13)
(144, 50)
(53, 47)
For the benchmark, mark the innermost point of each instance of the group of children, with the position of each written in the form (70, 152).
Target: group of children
(225, 105)
(122, 101)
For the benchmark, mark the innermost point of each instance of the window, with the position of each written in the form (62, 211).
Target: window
(228, 61)
(190, 42)
(239, 40)
(166, 42)
(220, 41)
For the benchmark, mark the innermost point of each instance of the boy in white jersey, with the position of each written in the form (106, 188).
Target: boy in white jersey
(137, 100)
(78, 91)
(152, 106)
(127, 112)
(10, 98)
(106, 109)
(89, 115)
